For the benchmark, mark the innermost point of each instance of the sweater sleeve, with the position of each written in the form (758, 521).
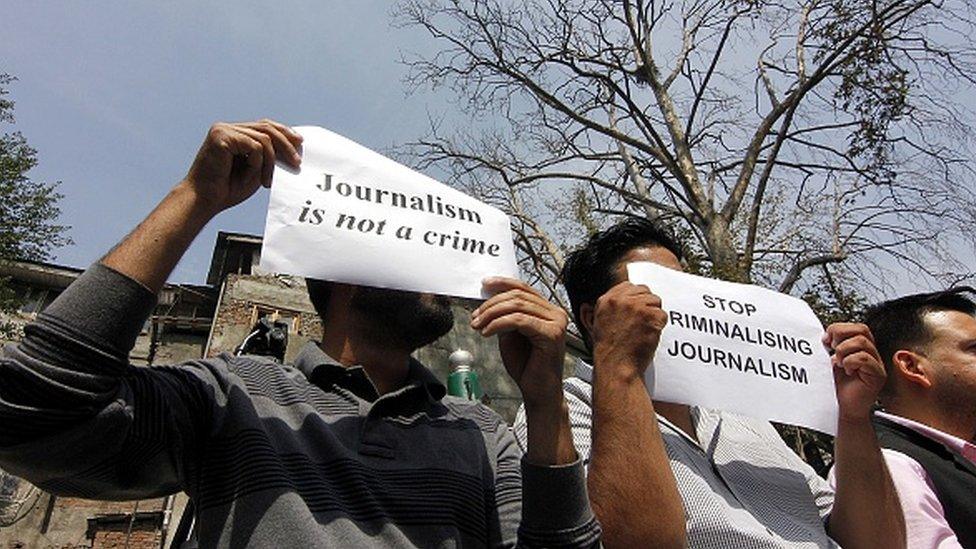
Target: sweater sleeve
(76, 418)
(577, 395)
(551, 509)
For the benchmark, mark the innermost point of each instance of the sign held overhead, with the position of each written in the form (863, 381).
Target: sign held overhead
(352, 215)
(740, 348)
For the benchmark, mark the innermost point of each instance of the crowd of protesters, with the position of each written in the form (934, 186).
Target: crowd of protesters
(357, 444)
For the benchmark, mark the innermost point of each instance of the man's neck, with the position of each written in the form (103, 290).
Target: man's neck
(386, 368)
(962, 425)
(352, 341)
(679, 415)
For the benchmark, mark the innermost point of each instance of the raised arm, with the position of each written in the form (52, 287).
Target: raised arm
(75, 417)
(553, 510)
(233, 162)
(866, 510)
(632, 488)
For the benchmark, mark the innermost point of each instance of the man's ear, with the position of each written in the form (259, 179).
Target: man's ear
(586, 317)
(912, 368)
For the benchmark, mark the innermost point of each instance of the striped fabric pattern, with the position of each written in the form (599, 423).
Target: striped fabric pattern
(303, 455)
(741, 487)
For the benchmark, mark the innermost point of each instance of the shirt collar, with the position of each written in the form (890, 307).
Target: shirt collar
(321, 369)
(584, 371)
(962, 447)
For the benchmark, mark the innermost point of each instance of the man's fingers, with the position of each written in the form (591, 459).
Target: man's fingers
(635, 290)
(627, 292)
(628, 287)
(517, 293)
(860, 361)
(510, 295)
(840, 331)
(284, 148)
(267, 152)
(498, 284)
(517, 308)
(293, 136)
(856, 344)
(239, 144)
(282, 137)
(516, 305)
(659, 319)
(522, 323)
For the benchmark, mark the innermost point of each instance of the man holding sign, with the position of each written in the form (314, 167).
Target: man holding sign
(660, 473)
(354, 445)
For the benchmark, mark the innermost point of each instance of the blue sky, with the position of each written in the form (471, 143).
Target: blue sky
(117, 99)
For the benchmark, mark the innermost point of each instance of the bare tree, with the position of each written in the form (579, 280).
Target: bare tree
(778, 138)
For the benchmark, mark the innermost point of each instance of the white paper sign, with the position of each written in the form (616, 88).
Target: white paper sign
(739, 348)
(352, 215)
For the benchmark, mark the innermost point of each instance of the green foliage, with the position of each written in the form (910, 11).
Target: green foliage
(873, 86)
(815, 448)
(583, 210)
(832, 302)
(8, 302)
(28, 209)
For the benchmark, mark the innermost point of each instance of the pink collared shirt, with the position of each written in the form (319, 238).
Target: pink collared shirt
(924, 516)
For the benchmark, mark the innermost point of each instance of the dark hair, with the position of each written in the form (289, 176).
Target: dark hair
(589, 271)
(900, 323)
(319, 292)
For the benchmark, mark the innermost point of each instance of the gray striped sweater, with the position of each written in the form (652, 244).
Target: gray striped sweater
(303, 455)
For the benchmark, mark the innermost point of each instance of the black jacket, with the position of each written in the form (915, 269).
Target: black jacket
(953, 476)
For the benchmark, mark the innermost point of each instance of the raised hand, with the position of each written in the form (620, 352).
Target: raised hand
(532, 340)
(626, 329)
(236, 159)
(859, 373)
(531, 337)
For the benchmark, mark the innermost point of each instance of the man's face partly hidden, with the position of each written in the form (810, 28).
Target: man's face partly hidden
(952, 355)
(408, 319)
(653, 254)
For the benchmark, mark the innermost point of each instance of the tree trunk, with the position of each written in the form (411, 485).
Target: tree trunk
(722, 252)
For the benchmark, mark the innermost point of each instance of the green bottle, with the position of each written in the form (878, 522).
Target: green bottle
(463, 381)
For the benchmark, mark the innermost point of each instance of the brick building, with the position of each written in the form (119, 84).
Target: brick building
(30, 518)
(191, 321)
